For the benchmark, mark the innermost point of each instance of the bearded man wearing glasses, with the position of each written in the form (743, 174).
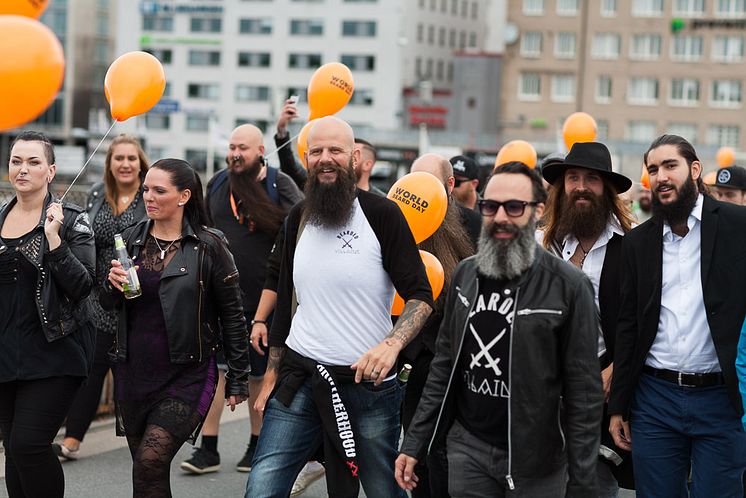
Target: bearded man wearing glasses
(517, 341)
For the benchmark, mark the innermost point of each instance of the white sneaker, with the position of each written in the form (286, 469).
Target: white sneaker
(310, 473)
(65, 454)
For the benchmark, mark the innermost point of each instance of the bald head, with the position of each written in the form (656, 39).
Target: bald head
(436, 165)
(331, 126)
(245, 146)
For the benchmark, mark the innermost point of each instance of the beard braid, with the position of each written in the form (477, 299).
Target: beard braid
(679, 210)
(330, 205)
(506, 259)
(584, 221)
(255, 203)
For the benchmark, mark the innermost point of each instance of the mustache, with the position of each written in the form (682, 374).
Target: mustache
(588, 196)
(662, 185)
(494, 228)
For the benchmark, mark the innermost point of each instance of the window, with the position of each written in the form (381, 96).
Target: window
(295, 91)
(472, 39)
(204, 58)
(157, 23)
(254, 59)
(418, 67)
(602, 127)
(533, 7)
(439, 73)
(167, 90)
(640, 131)
(452, 38)
(162, 54)
(420, 33)
(730, 8)
(645, 47)
(474, 10)
(687, 48)
(567, 7)
(431, 35)
(101, 53)
(304, 61)
(723, 135)
(647, 8)
(450, 71)
(155, 121)
(462, 40)
(359, 28)
(684, 92)
(464, 8)
(686, 130)
(444, 6)
(442, 36)
(252, 93)
(362, 97)
(359, 62)
(206, 25)
(563, 88)
(726, 93)
(197, 158)
(608, 8)
(727, 48)
(197, 122)
(208, 91)
(603, 89)
(688, 8)
(564, 46)
(642, 91)
(531, 44)
(257, 26)
(102, 25)
(606, 46)
(529, 87)
(429, 68)
(307, 27)
(454, 7)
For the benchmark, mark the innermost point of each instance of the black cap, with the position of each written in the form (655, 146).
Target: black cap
(465, 167)
(731, 177)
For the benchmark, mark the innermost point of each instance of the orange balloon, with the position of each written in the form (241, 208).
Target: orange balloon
(725, 157)
(133, 84)
(32, 67)
(710, 178)
(579, 127)
(517, 150)
(25, 8)
(423, 200)
(435, 276)
(645, 179)
(329, 90)
(303, 143)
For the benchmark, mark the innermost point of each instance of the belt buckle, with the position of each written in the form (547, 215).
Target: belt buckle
(681, 383)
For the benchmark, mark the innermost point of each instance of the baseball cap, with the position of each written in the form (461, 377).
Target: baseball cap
(731, 177)
(465, 167)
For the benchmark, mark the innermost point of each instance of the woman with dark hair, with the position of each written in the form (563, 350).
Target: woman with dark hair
(46, 343)
(113, 205)
(165, 370)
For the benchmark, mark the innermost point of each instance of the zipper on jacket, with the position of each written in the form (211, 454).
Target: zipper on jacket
(529, 311)
(559, 424)
(199, 301)
(509, 477)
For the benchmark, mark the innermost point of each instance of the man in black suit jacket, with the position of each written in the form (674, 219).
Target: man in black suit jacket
(682, 307)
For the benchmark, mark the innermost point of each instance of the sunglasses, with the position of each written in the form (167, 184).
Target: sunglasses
(458, 181)
(513, 208)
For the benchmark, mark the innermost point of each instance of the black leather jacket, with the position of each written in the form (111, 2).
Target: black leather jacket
(554, 364)
(201, 303)
(97, 197)
(66, 274)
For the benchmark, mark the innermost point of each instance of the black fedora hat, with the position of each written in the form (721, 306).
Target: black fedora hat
(588, 155)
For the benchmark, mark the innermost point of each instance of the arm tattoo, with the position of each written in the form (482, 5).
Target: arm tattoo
(410, 322)
(275, 358)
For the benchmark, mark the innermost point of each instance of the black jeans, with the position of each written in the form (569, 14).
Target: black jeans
(87, 400)
(31, 413)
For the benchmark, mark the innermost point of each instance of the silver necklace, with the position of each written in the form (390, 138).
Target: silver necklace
(163, 251)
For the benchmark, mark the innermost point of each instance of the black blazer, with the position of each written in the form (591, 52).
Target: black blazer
(723, 273)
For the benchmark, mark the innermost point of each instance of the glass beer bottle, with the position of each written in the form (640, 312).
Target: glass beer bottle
(132, 287)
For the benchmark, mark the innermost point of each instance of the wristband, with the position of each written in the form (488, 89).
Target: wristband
(254, 322)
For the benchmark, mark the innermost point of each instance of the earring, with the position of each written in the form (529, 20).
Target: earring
(181, 204)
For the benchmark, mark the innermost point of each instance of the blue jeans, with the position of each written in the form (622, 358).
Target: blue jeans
(290, 435)
(674, 427)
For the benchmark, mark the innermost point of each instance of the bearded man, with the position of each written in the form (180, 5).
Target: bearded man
(585, 221)
(682, 306)
(517, 342)
(330, 377)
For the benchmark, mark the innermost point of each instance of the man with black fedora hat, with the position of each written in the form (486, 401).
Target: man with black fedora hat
(730, 185)
(584, 223)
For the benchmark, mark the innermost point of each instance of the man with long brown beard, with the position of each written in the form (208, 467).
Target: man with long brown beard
(248, 202)
(585, 221)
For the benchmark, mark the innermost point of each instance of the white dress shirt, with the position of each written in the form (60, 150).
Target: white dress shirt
(684, 342)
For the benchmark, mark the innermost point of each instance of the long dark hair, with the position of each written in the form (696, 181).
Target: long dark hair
(684, 148)
(111, 192)
(184, 177)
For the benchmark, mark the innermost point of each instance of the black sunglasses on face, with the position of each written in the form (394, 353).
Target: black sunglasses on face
(513, 208)
(458, 181)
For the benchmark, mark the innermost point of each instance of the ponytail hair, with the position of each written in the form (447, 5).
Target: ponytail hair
(183, 177)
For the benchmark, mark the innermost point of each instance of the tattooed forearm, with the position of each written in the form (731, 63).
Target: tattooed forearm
(410, 322)
(275, 358)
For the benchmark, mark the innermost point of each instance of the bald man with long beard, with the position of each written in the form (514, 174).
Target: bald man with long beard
(332, 350)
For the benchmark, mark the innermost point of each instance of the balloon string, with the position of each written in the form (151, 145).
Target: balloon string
(283, 145)
(87, 161)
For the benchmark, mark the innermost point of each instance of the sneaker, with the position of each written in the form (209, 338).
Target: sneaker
(203, 461)
(244, 465)
(63, 453)
(310, 473)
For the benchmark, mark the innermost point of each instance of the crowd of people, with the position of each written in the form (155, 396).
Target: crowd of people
(581, 344)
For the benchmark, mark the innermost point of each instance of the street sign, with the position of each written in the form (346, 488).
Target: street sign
(166, 106)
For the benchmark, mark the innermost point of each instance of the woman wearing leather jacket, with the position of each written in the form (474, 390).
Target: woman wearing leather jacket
(47, 258)
(166, 372)
(113, 205)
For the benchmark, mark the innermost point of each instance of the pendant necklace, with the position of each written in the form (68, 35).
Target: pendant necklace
(582, 260)
(163, 251)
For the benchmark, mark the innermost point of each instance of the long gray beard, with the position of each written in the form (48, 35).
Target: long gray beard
(505, 259)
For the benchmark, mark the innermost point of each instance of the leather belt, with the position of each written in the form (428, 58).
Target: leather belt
(686, 379)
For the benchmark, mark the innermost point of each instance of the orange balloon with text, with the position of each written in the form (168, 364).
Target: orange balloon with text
(329, 90)
(133, 84)
(435, 276)
(423, 200)
(32, 68)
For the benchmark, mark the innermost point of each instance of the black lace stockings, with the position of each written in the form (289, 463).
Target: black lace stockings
(152, 454)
